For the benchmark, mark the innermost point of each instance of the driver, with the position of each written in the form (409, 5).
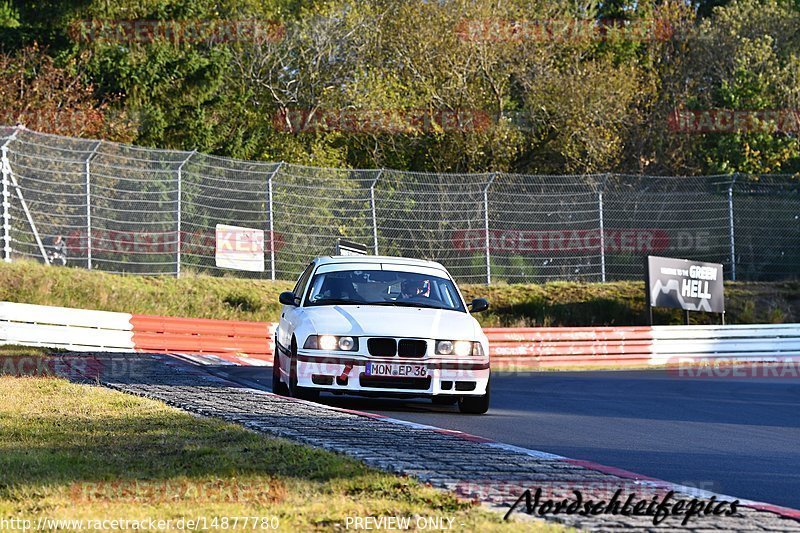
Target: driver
(415, 288)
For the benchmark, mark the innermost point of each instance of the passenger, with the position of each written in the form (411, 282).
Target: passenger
(339, 289)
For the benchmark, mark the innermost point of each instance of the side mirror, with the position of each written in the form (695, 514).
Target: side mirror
(478, 305)
(288, 298)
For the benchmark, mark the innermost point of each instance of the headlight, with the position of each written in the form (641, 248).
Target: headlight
(462, 348)
(327, 342)
(444, 347)
(331, 343)
(346, 343)
(459, 348)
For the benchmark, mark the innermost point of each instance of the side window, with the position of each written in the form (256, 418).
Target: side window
(447, 297)
(303, 281)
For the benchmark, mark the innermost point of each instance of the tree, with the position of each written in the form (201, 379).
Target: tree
(745, 58)
(47, 98)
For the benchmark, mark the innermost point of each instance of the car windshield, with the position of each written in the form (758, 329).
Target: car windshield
(383, 287)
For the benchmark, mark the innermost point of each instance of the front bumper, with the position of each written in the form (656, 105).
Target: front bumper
(346, 374)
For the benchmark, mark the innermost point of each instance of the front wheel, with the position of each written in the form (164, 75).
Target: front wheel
(277, 385)
(301, 393)
(474, 405)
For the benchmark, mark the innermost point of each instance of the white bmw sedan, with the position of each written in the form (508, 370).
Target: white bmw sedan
(381, 326)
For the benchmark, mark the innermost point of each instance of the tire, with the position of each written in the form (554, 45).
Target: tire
(278, 387)
(474, 405)
(444, 400)
(296, 391)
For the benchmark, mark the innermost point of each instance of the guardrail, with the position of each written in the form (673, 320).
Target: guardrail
(64, 327)
(639, 346)
(743, 342)
(510, 348)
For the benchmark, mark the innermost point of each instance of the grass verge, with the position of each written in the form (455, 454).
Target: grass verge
(16, 350)
(81, 452)
(549, 304)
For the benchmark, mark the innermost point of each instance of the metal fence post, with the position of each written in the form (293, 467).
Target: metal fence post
(602, 231)
(6, 169)
(602, 239)
(89, 205)
(730, 216)
(272, 222)
(374, 211)
(486, 227)
(179, 219)
(6, 212)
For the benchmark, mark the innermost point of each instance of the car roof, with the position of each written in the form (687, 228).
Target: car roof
(377, 259)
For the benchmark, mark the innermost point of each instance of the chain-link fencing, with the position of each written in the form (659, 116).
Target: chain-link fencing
(121, 208)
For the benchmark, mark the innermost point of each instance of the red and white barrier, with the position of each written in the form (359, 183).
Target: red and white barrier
(81, 330)
(251, 343)
(512, 348)
(238, 342)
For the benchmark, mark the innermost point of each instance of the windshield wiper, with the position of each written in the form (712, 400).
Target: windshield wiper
(337, 301)
(408, 304)
(344, 301)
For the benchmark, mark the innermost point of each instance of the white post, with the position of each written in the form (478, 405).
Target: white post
(730, 217)
(178, 219)
(374, 213)
(272, 223)
(486, 227)
(89, 206)
(6, 169)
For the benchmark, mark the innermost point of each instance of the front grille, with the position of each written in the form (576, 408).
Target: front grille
(411, 348)
(388, 382)
(382, 347)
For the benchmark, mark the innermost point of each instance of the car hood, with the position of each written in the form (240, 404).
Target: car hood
(380, 321)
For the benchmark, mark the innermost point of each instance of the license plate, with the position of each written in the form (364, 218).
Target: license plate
(396, 370)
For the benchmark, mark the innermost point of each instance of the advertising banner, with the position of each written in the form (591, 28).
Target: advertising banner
(240, 248)
(685, 284)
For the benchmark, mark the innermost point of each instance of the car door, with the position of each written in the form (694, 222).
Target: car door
(292, 315)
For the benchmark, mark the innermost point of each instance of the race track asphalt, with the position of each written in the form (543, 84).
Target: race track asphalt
(733, 435)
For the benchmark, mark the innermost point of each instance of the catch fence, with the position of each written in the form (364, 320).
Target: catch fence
(122, 208)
